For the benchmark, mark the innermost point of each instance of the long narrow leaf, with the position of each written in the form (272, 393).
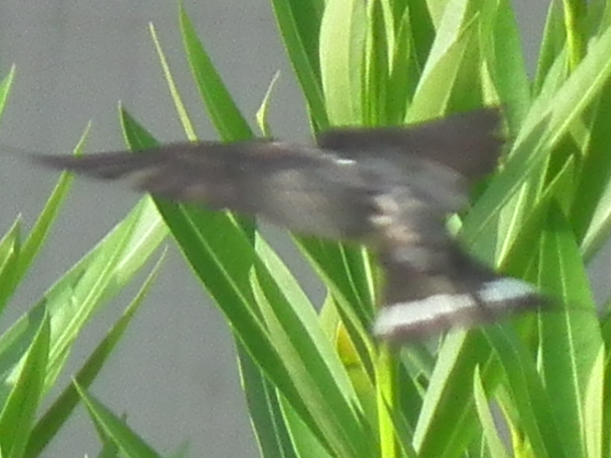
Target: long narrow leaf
(132, 445)
(223, 111)
(222, 255)
(5, 88)
(62, 408)
(101, 274)
(342, 53)
(570, 340)
(37, 236)
(299, 24)
(491, 430)
(19, 410)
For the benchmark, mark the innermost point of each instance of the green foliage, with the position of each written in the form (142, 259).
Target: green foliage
(316, 384)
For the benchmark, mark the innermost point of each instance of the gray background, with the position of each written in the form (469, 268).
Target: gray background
(174, 374)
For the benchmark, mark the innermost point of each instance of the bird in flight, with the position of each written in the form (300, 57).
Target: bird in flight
(390, 188)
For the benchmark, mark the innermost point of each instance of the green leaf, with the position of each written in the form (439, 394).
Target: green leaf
(5, 89)
(546, 125)
(404, 72)
(600, 225)
(570, 340)
(180, 106)
(294, 328)
(44, 223)
(293, 307)
(350, 275)
(521, 255)
(421, 30)
(62, 408)
(599, 16)
(132, 445)
(448, 408)
(16, 258)
(452, 56)
(264, 408)
(263, 110)
(306, 444)
(379, 47)
(10, 248)
(589, 200)
(554, 37)
(342, 53)
(595, 168)
(594, 429)
(222, 255)
(502, 50)
(222, 109)
(531, 401)
(299, 24)
(19, 410)
(73, 300)
(576, 35)
(491, 430)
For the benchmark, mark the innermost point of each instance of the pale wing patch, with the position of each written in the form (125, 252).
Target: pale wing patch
(438, 310)
(420, 312)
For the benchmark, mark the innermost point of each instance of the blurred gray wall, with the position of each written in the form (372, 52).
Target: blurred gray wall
(175, 373)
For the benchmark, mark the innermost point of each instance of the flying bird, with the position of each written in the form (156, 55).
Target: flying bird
(391, 188)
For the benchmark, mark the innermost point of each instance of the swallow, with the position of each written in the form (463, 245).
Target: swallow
(391, 188)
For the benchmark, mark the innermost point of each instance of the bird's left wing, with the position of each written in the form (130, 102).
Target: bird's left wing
(302, 188)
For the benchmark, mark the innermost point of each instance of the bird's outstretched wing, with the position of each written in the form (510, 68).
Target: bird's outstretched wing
(391, 188)
(295, 186)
